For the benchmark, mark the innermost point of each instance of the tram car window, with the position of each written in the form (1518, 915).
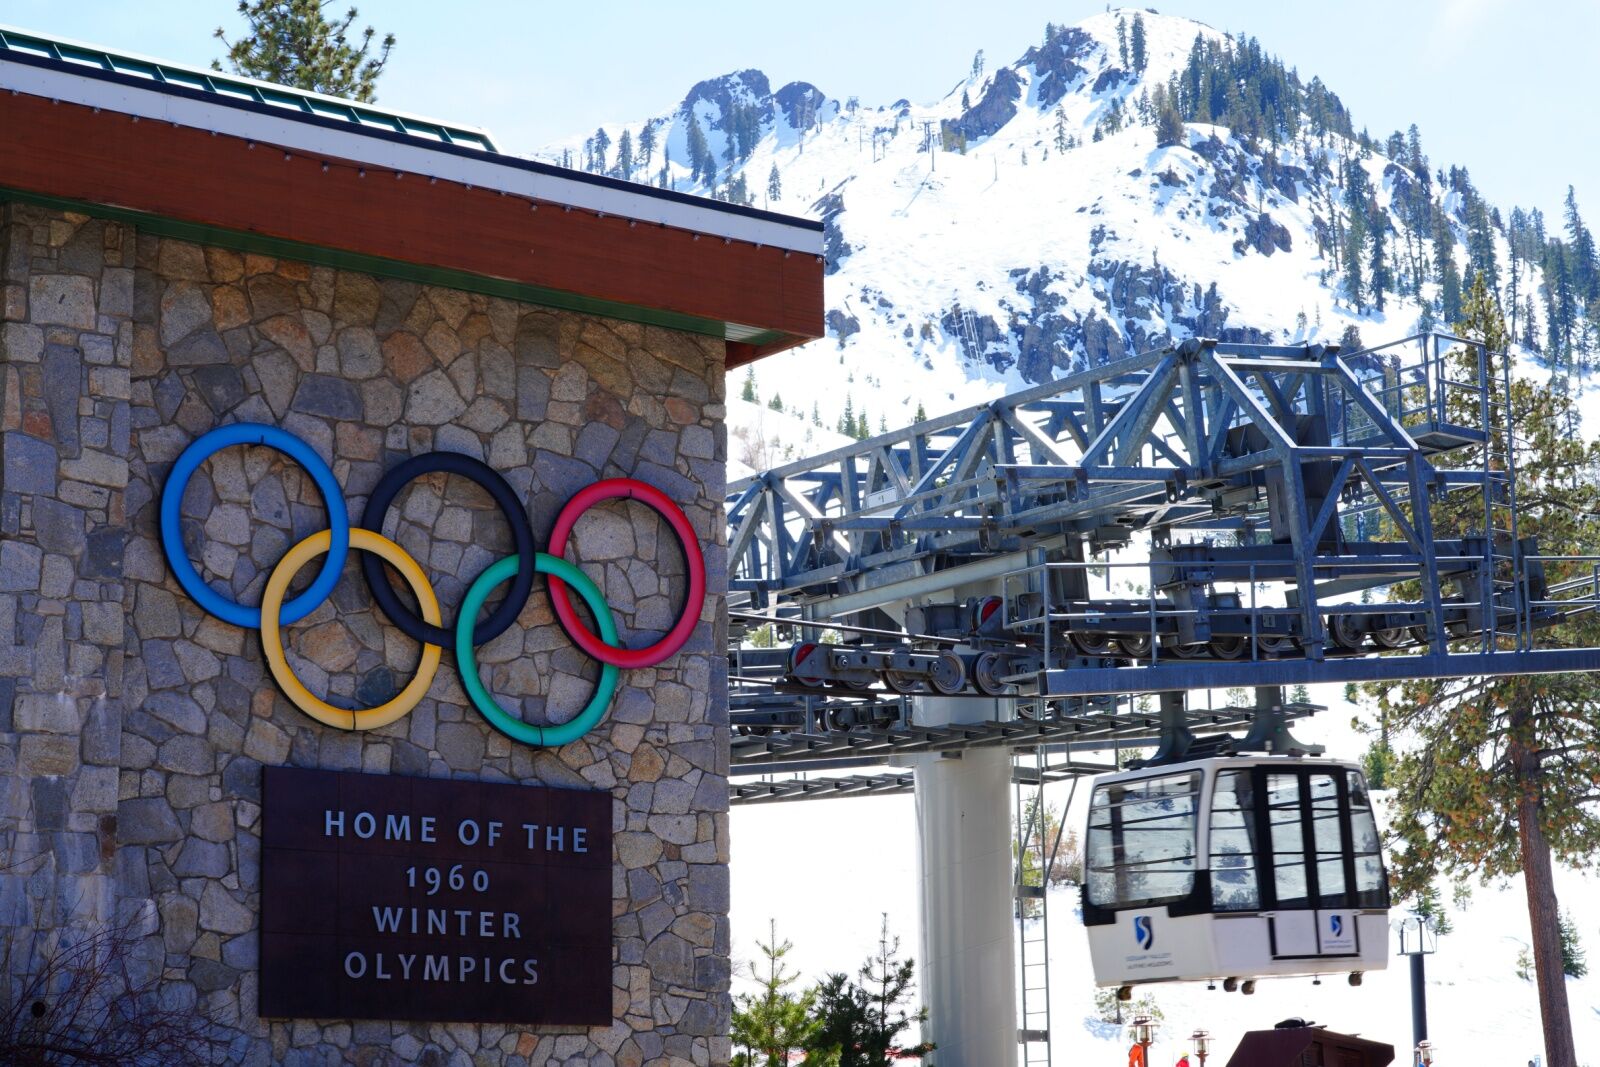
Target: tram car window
(1142, 838)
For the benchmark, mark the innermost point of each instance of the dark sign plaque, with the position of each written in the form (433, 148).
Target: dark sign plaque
(431, 899)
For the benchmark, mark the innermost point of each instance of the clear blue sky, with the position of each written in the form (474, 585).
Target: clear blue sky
(1505, 88)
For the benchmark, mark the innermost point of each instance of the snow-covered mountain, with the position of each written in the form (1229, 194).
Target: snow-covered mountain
(1050, 212)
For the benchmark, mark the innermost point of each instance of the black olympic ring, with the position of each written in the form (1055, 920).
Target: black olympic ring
(494, 483)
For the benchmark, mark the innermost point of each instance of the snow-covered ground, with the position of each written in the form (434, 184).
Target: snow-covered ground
(827, 870)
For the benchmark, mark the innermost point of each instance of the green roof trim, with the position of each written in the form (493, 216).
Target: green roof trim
(234, 87)
(244, 241)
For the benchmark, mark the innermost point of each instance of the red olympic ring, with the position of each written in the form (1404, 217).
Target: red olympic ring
(628, 489)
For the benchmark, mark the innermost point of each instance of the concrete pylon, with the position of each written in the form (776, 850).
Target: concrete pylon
(968, 957)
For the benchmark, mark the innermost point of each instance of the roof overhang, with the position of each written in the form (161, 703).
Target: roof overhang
(232, 170)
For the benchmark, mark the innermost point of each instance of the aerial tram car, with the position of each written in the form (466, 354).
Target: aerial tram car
(1234, 868)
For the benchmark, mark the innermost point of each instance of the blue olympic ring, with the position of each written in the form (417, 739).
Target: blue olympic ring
(249, 433)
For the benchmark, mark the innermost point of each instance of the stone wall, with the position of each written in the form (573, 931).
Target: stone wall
(133, 726)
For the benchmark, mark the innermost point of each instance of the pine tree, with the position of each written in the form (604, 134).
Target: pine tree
(625, 155)
(1355, 289)
(1425, 902)
(1480, 226)
(749, 390)
(1414, 157)
(1137, 44)
(1500, 778)
(1377, 762)
(1574, 964)
(291, 42)
(1444, 258)
(1379, 277)
(1122, 40)
(647, 144)
(1170, 130)
(862, 1020)
(776, 403)
(773, 1022)
(774, 183)
(1561, 303)
(1357, 192)
(602, 145)
(702, 165)
(922, 416)
(977, 64)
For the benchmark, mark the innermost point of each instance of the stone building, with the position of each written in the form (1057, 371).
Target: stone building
(180, 251)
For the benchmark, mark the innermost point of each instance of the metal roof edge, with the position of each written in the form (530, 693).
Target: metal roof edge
(240, 79)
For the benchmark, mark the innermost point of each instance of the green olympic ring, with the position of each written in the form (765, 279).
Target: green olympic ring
(500, 718)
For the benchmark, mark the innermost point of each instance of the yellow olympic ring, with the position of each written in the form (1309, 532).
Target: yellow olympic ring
(271, 641)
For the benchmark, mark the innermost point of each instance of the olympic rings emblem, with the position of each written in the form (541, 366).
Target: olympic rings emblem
(520, 568)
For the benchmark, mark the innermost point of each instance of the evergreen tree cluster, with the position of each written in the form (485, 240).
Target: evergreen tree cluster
(702, 161)
(1234, 83)
(853, 423)
(742, 128)
(1566, 265)
(841, 1022)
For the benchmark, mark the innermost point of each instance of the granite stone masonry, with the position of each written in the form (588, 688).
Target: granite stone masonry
(133, 726)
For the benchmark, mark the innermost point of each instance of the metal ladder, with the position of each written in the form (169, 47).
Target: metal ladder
(1029, 767)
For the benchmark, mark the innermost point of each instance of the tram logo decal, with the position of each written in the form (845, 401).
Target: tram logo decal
(1335, 925)
(1143, 932)
(519, 569)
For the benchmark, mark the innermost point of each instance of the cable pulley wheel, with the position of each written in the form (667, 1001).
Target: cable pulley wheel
(988, 672)
(797, 655)
(906, 683)
(948, 675)
(1134, 646)
(1090, 644)
(1229, 646)
(1345, 630)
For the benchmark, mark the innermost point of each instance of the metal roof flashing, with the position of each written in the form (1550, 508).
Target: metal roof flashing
(327, 127)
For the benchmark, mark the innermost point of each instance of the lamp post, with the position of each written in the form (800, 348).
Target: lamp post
(1418, 940)
(1202, 1044)
(1143, 1031)
(1424, 1055)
